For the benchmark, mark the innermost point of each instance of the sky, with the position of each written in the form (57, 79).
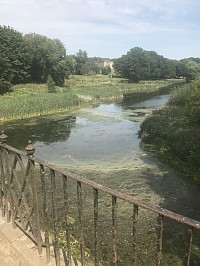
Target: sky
(110, 28)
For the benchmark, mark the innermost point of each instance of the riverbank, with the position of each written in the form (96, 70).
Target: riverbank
(173, 132)
(32, 100)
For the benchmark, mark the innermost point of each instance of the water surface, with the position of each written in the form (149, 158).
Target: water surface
(101, 143)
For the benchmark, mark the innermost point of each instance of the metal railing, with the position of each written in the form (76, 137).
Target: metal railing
(78, 218)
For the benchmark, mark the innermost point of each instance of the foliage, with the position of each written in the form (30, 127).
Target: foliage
(71, 65)
(175, 129)
(33, 99)
(5, 86)
(139, 64)
(25, 106)
(47, 58)
(90, 68)
(81, 59)
(14, 56)
(193, 70)
(51, 86)
(106, 70)
(32, 58)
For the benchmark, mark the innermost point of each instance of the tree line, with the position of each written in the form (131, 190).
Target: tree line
(139, 64)
(33, 58)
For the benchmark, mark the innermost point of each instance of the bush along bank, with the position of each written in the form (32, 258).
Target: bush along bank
(173, 132)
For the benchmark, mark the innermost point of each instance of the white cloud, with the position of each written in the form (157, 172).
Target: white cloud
(83, 22)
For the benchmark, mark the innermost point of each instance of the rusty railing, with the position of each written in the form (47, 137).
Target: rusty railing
(80, 220)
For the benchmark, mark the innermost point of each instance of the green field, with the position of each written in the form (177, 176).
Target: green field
(30, 100)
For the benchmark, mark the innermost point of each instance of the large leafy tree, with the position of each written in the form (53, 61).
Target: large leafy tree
(90, 68)
(14, 56)
(139, 64)
(47, 58)
(192, 69)
(32, 58)
(81, 59)
(134, 65)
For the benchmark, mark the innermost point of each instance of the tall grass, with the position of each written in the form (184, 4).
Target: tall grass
(112, 91)
(29, 100)
(36, 105)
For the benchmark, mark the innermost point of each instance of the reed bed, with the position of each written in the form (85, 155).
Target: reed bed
(115, 91)
(30, 100)
(22, 107)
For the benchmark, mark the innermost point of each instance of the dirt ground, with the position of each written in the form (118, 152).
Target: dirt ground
(8, 256)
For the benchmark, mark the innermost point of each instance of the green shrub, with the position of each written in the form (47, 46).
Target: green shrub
(51, 86)
(174, 131)
(5, 86)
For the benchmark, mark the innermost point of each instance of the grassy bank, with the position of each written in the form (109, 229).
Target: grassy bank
(173, 132)
(30, 100)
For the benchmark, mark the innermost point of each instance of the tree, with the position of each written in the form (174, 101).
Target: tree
(71, 65)
(139, 64)
(106, 70)
(47, 57)
(81, 59)
(32, 58)
(90, 68)
(192, 70)
(51, 86)
(181, 69)
(134, 65)
(14, 56)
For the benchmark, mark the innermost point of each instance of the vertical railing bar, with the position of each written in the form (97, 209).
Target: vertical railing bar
(159, 239)
(67, 219)
(5, 191)
(114, 231)
(135, 227)
(2, 184)
(36, 208)
(80, 215)
(45, 213)
(190, 232)
(20, 161)
(8, 177)
(11, 185)
(8, 165)
(10, 188)
(55, 218)
(96, 241)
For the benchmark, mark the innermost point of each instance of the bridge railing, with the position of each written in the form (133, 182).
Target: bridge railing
(75, 219)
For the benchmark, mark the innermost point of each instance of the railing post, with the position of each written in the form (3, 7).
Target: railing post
(30, 149)
(3, 137)
(80, 217)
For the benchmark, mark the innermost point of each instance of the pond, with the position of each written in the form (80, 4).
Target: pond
(101, 143)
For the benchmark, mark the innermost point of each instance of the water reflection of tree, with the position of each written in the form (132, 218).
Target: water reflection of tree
(46, 130)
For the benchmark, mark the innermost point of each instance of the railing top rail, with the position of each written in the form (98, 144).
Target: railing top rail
(128, 198)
